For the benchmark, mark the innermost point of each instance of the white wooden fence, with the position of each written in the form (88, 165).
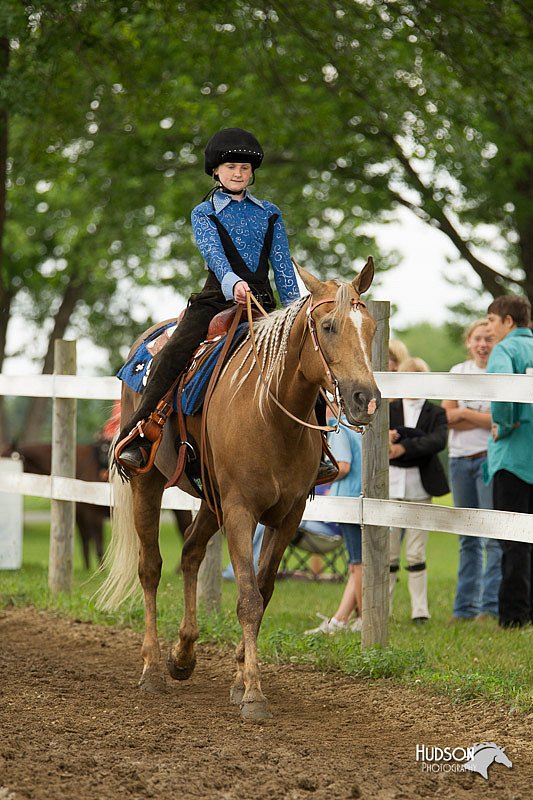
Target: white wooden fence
(376, 515)
(473, 522)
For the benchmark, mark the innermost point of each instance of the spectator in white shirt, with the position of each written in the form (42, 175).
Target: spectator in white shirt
(478, 583)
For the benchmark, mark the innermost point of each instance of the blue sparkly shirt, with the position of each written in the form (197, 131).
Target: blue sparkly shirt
(246, 222)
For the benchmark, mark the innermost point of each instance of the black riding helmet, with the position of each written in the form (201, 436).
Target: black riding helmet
(233, 145)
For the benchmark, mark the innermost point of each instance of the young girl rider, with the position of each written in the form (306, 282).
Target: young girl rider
(238, 235)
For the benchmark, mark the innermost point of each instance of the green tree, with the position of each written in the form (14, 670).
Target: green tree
(441, 346)
(426, 105)
(363, 107)
(86, 171)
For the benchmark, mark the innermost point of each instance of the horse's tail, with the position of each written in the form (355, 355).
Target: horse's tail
(122, 555)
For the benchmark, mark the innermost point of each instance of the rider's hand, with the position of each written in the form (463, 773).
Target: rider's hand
(239, 292)
(396, 451)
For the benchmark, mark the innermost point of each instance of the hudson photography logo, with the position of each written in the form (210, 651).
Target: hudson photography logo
(476, 758)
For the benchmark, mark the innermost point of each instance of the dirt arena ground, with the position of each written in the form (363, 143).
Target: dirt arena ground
(74, 725)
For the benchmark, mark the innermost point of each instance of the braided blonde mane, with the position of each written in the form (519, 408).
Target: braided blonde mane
(272, 341)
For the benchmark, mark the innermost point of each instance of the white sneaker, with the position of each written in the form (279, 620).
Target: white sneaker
(328, 625)
(357, 625)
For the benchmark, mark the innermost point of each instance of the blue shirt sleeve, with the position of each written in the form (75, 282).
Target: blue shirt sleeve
(210, 246)
(503, 412)
(280, 260)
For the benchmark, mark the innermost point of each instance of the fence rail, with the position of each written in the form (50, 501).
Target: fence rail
(508, 525)
(373, 511)
(470, 522)
(423, 385)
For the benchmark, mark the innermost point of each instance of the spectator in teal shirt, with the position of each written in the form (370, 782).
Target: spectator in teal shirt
(510, 462)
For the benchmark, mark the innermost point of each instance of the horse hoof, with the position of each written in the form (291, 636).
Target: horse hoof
(180, 673)
(256, 711)
(153, 683)
(235, 695)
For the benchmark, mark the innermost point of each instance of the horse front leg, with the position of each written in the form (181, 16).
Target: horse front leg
(275, 541)
(147, 493)
(181, 659)
(239, 525)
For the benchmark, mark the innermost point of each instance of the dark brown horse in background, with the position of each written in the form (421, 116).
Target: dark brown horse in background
(90, 518)
(263, 464)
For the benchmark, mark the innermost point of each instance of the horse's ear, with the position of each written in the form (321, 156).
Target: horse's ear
(311, 283)
(362, 282)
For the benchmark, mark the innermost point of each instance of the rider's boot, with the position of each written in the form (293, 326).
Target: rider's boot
(327, 471)
(136, 455)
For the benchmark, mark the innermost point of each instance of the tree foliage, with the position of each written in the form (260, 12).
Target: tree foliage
(441, 346)
(365, 106)
(425, 105)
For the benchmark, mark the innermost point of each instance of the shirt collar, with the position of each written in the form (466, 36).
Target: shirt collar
(222, 199)
(520, 332)
(413, 403)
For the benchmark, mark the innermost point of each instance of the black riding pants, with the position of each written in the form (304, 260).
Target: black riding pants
(178, 351)
(511, 493)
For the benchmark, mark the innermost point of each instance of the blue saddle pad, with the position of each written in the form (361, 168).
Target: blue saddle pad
(135, 372)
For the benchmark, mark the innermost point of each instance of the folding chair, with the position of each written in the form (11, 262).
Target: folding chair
(315, 538)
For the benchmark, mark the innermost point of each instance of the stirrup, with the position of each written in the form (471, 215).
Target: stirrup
(127, 470)
(328, 469)
(327, 472)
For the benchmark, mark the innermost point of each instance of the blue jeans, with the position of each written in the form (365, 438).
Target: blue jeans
(478, 584)
(353, 541)
(228, 573)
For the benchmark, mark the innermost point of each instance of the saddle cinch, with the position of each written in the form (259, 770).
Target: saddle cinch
(196, 382)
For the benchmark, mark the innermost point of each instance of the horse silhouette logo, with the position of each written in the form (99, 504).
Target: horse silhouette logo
(485, 754)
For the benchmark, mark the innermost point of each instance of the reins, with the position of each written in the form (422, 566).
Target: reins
(310, 328)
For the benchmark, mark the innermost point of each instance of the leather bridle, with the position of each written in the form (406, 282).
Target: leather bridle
(310, 328)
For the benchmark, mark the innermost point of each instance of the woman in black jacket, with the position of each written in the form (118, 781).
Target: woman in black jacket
(418, 432)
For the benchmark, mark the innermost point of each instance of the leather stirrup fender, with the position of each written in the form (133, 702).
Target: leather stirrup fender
(150, 429)
(182, 452)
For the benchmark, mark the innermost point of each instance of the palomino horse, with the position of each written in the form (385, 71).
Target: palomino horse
(37, 459)
(263, 463)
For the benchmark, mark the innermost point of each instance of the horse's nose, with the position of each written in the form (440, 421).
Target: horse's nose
(366, 402)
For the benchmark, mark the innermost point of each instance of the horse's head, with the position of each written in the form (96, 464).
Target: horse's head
(485, 754)
(344, 331)
(502, 757)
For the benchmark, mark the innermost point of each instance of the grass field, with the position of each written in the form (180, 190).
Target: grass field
(465, 661)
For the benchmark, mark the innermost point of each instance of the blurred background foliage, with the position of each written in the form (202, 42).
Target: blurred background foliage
(363, 108)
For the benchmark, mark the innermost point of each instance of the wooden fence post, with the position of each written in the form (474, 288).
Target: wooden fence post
(375, 483)
(63, 512)
(210, 575)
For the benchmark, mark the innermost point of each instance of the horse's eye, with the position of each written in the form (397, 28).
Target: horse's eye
(329, 326)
